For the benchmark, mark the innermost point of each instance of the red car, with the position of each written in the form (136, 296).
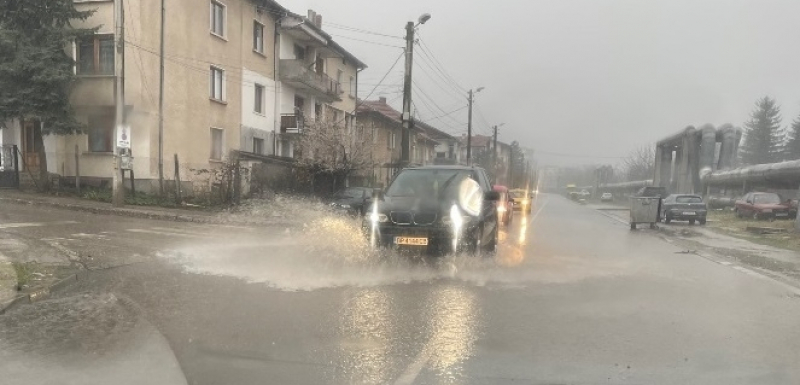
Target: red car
(505, 205)
(761, 205)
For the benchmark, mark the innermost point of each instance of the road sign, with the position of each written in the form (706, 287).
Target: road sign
(124, 137)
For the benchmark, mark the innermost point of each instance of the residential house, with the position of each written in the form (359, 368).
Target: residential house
(318, 79)
(221, 96)
(431, 143)
(382, 126)
(480, 146)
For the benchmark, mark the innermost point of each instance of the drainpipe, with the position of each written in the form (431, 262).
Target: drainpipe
(276, 74)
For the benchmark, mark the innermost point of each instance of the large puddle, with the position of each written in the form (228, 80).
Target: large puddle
(330, 251)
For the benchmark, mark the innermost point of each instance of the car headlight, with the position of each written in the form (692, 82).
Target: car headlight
(501, 209)
(376, 217)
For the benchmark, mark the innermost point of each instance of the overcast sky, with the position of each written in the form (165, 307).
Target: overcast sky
(589, 80)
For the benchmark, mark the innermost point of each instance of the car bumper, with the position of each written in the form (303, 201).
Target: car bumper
(440, 238)
(687, 215)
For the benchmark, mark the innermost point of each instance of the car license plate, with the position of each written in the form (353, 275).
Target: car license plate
(781, 214)
(689, 213)
(411, 241)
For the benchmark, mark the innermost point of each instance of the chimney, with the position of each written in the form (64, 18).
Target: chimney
(318, 21)
(382, 99)
(312, 15)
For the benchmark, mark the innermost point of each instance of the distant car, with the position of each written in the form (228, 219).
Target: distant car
(761, 205)
(505, 205)
(351, 199)
(684, 207)
(522, 200)
(606, 197)
(585, 194)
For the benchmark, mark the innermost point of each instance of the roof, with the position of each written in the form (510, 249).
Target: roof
(477, 140)
(381, 107)
(432, 131)
(311, 24)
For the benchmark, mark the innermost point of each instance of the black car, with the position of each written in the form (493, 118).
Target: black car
(684, 207)
(424, 209)
(351, 199)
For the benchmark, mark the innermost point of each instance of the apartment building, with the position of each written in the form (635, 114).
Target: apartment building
(240, 77)
(382, 125)
(318, 79)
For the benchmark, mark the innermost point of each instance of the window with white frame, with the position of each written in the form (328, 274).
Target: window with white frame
(258, 100)
(258, 37)
(392, 140)
(217, 144)
(218, 18)
(217, 86)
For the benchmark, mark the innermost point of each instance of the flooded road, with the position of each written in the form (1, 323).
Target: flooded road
(572, 296)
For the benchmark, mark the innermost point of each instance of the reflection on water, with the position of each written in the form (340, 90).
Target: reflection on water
(380, 338)
(453, 330)
(368, 325)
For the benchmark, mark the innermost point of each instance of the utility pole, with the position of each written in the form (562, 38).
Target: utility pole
(405, 138)
(161, 109)
(469, 129)
(118, 194)
(494, 145)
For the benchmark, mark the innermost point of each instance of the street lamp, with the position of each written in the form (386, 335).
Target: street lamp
(470, 98)
(405, 140)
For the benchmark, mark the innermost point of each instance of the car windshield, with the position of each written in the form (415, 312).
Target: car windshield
(767, 199)
(426, 182)
(350, 193)
(688, 199)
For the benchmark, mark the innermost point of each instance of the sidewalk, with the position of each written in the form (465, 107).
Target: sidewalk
(198, 215)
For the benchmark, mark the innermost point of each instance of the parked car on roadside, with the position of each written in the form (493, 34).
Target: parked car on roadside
(761, 205)
(684, 207)
(606, 197)
(351, 199)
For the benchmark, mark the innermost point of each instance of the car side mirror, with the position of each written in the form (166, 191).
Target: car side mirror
(377, 194)
(492, 196)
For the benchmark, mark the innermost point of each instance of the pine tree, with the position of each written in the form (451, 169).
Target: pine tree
(763, 136)
(36, 73)
(792, 150)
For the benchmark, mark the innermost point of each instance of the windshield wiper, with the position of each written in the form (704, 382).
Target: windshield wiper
(446, 184)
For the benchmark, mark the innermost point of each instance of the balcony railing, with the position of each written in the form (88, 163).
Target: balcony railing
(296, 71)
(291, 124)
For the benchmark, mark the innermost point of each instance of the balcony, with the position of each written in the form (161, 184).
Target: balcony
(291, 124)
(297, 74)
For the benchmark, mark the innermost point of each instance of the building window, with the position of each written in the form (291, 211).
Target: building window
(217, 89)
(258, 146)
(353, 86)
(374, 135)
(96, 55)
(218, 18)
(216, 143)
(101, 133)
(339, 76)
(392, 140)
(299, 52)
(258, 107)
(258, 37)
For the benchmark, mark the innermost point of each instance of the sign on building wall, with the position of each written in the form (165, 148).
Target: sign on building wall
(124, 137)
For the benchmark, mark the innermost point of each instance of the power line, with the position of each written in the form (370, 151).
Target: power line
(367, 41)
(452, 87)
(436, 60)
(358, 30)
(432, 102)
(448, 91)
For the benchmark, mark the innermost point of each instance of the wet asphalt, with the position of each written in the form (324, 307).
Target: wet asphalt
(572, 297)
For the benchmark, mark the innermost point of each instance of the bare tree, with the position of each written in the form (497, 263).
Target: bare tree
(328, 147)
(639, 164)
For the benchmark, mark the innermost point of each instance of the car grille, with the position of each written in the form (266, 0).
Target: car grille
(408, 217)
(401, 217)
(424, 218)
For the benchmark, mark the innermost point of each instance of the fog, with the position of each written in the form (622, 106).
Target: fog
(580, 81)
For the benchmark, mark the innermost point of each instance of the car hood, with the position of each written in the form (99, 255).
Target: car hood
(416, 204)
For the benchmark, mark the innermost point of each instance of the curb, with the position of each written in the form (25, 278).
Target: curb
(140, 214)
(42, 293)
